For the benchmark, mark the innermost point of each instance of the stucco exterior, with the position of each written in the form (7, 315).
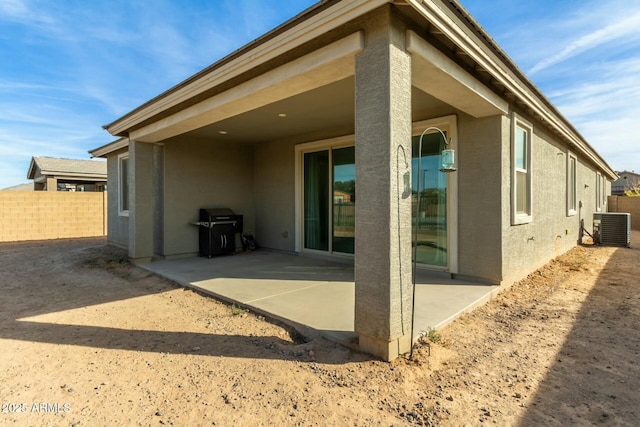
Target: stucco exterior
(480, 174)
(118, 225)
(273, 194)
(369, 75)
(203, 174)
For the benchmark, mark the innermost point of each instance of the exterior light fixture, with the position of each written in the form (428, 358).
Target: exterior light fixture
(448, 160)
(282, 115)
(223, 132)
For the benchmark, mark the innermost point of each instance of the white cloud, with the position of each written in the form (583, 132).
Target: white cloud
(13, 8)
(617, 30)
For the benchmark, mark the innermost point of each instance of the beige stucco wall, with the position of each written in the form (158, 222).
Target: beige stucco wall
(203, 174)
(479, 198)
(274, 193)
(551, 231)
(118, 225)
(41, 215)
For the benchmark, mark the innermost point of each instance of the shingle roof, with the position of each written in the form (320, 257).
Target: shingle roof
(20, 187)
(57, 166)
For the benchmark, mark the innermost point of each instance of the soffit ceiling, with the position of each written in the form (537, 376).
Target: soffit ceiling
(321, 113)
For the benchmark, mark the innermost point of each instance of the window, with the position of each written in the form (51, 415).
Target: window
(572, 193)
(123, 184)
(604, 193)
(521, 180)
(599, 191)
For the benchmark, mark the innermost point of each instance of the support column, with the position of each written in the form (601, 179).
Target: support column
(383, 298)
(140, 201)
(52, 183)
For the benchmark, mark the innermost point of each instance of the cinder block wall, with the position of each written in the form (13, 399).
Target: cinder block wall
(42, 215)
(626, 205)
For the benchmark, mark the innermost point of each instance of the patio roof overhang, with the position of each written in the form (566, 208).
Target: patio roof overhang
(319, 68)
(111, 147)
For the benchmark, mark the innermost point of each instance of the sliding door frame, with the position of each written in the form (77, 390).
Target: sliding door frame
(300, 151)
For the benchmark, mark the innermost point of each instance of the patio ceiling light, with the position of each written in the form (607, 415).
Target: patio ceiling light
(223, 132)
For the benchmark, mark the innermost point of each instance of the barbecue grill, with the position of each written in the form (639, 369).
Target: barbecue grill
(217, 234)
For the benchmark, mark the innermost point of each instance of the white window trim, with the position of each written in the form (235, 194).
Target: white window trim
(521, 218)
(599, 192)
(604, 193)
(121, 212)
(571, 211)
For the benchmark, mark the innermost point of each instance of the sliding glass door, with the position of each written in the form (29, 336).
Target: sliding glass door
(329, 200)
(432, 247)
(316, 202)
(344, 200)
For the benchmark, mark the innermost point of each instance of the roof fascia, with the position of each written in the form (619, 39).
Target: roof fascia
(32, 169)
(246, 59)
(80, 177)
(109, 148)
(513, 80)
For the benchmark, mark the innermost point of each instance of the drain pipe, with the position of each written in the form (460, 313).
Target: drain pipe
(447, 166)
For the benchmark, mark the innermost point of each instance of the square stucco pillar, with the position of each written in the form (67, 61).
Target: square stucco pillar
(383, 296)
(140, 201)
(52, 183)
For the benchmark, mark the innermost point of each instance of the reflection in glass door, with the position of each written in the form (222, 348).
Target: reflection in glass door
(432, 213)
(329, 200)
(344, 199)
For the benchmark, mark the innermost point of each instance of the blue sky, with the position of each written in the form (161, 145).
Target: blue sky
(67, 67)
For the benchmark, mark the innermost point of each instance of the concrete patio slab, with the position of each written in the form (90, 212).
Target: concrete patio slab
(316, 296)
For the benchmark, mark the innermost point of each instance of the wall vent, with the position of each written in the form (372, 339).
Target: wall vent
(612, 229)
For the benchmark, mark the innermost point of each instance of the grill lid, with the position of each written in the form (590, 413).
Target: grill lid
(217, 212)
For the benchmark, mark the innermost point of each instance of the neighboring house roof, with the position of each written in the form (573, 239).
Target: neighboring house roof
(628, 174)
(448, 23)
(626, 181)
(20, 187)
(68, 168)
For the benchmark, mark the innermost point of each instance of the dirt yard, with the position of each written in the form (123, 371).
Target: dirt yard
(87, 339)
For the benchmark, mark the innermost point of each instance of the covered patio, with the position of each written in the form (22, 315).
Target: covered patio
(316, 296)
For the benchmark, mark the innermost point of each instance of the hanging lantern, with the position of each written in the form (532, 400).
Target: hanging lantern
(448, 160)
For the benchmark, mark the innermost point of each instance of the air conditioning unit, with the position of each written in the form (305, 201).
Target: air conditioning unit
(612, 229)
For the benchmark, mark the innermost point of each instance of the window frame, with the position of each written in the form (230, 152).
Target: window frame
(123, 208)
(572, 209)
(526, 217)
(604, 193)
(599, 192)
(300, 150)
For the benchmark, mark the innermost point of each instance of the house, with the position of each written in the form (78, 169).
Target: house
(351, 90)
(626, 181)
(55, 174)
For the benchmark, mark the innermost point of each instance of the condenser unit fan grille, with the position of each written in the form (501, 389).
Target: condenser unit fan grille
(613, 229)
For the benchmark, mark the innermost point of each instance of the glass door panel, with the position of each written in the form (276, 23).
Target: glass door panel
(316, 200)
(344, 200)
(432, 212)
